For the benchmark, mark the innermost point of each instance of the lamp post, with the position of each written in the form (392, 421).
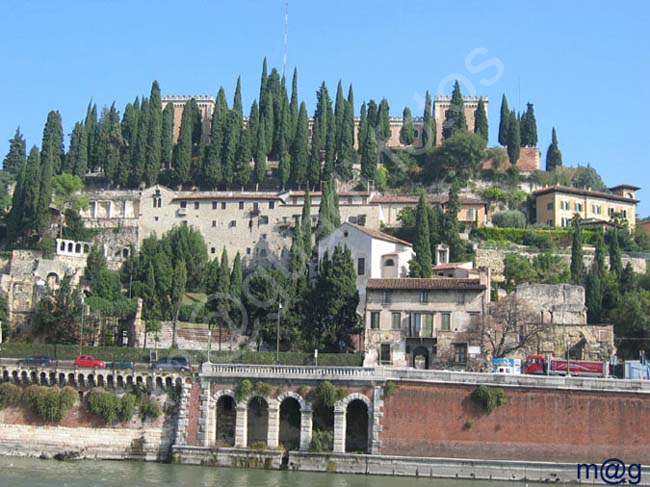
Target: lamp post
(81, 334)
(209, 344)
(277, 335)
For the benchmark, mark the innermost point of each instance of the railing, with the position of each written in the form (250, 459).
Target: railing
(294, 371)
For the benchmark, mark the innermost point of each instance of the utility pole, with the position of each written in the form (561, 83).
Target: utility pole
(277, 335)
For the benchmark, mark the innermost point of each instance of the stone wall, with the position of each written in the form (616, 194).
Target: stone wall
(493, 259)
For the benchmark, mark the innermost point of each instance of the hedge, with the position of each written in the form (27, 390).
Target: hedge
(532, 236)
(110, 354)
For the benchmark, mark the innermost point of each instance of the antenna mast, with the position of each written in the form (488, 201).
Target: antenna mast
(286, 36)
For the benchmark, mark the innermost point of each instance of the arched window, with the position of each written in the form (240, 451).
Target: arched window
(389, 263)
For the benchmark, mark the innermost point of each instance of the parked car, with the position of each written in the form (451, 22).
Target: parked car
(120, 364)
(89, 361)
(37, 360)
(181, 364)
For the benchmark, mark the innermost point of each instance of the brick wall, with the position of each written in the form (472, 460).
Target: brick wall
(194, 415)
(535, 424)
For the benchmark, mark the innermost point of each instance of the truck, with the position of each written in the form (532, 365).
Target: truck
(541, 365)
(507, 366)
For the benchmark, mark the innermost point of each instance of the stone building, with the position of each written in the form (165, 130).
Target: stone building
(206, 107)
(556, 205)
(423, 323)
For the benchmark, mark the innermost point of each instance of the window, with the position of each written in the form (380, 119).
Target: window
(157, 202)
(549, 206)
(214, 205)
(445, 321)
(624, 213)
(424, 296)
(214, 223)
(460, 353)
(241, 205)
(196, 205)
(471, 214)
(610, 211)
(248, 251)
(361, 220)
(232, 224)
(264, 220)
(264, 236)
(550, 223)
(361, 266)
(387, 297)
(213, 250)
(415, 322)
(352, 219)
(223, 205)
(460, 298)
(564, 204)
(374, 320)
(396, 321)
(155, 218)
(384, 354)
(256, 206)
(263, 252)
(578, 206)
(271, 205)
(389, 263)
(183, 204)
(596, 209)
(427, 325)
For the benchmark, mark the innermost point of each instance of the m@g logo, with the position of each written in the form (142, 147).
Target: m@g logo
(612, 471)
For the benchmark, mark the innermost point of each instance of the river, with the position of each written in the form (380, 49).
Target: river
(31, 472)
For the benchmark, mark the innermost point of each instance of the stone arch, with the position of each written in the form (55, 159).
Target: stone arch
(292, 406)
(120, 381)
(77, 248)
(169, 382)
(52, 280)
(258, 409)
(52, 378)
(348, 412)
(70, 247)
(71, 378)
(43, 379)
(159, 383)
(5, 375)
(110, 381)
(62, 380)
(100, 380)
(33, 377)
(223, 425)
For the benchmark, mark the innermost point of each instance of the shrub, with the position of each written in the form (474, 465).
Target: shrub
(537, 239)
(128, 405)
(48, 403)
(321, 441)
(509, 219)
(468, 425)
(104, 404)
(326, 394)
(150, 409)
(489, 398)
(263, 389)
(258, 445)
(68, 397)
(244, 390)
(10, 395)
(389, 388)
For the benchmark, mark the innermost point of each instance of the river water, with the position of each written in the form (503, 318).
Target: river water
(31, 472)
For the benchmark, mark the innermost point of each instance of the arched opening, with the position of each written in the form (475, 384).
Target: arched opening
(356, 427)
(420, 358)
(77, 248)
(43, 379)
(62, 246)
(86, 248)
(258, 421)
(70, 247)
(110, 382)
(33, 377)
(226, 419)
(52, 280)
(323, 427)
(290, 424)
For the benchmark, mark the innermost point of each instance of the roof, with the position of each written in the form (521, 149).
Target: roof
(583, 192)
(412, 199)
(227, 195)
(450, 265)
(625, 186)
(379, 235)
(441, 283)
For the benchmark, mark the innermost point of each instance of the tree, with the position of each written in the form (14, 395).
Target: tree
(369, 157)
(300, 148)
(481, 121)
(510, 325)
(57, 314)
(183, 150)
(455, 115)
(22, 218)
(362, 132)
(528, 127)
(407, 132)
(91, 131)
(383, 121)
(134, 170)
(339, 112)
(421, 265)
(517, 269)
(76, 161)
(51, 160)
(244, 157)
(553, 154)
(328, 213)
(615, 260)
(167, 136)
(213, 164)
(154, 136)
(293, 105)
(577, 262)
(232, 136)
(17, 155)
(600, 264)
(594, 297)
(178, 291)
(428, 124)
(628, 279)
(457, 158)
(504, 122)
(236, 279)
(66, 189)
(514, 139)
(305, 222)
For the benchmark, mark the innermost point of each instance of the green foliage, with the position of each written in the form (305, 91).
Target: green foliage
(428, 124)
(481, 121)
(17, 155)
(546, 268)
(578, 176)
(48, 403)
(504, 121)
(420, 266)
(559, 238)
(389, 388)
(407, 132)
(468, 425)
(553, 154)
(489, 398)
(10, 395)
(528, 127)
(104, 404)
(325, 395)
(244, 390)
(321, 441)
(509, 219)
(150, 409)
(457, 158)
(577, 262)
(514, 139)
(455, 115)
(128, 406)
(263, 389)
(57, 314)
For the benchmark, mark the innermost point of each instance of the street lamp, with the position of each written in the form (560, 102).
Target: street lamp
(209, 344)
(81, 334)
(277, 335)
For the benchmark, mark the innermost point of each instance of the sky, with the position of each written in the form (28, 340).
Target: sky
(584, 64)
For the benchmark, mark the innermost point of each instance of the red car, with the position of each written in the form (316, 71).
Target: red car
(89, 361)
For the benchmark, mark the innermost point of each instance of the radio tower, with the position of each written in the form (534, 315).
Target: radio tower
(286, 36)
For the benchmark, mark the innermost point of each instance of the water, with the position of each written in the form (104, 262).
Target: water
(31, 472)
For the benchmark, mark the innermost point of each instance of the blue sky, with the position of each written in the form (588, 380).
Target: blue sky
(584, 64)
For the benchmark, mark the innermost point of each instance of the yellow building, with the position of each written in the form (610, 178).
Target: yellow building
(556, 205)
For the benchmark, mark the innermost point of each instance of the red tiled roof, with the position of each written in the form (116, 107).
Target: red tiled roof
(583, 192)
(440, 283)
(412, 199)
(379, 235)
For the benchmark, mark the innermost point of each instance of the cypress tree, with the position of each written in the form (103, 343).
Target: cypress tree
(243, 166)
(138, 162)
(51, 160)
(383, 127)
(373, 114)
(455, 115)
(232, 136)
(154, 136)
(577, 262)
(615, 260)
(347, 155)
(305, 222)
(300, 149)
(25, 198)
(422, 264)
(330, 149)
(601, 255)
(481, 121)
(183, 150)
(407, 132)
(528, 127)
(17, 155)
(91, 131)
(436, 220)
(167, 136)
(553, 155)
(504, 121)
(628, 280)
(428, 124)
(369, 157)
(213, 165)
(321, 119)
(363, 128)
(594, 297)
(260, 154)
(77, 160)
(339, 111)
(514, 139)
(297, 255)
(326, 212)
(313, 168)
(284, 146)
(349, 120)
(294, 105)
(223, 290)
(254, 125)
(236, 280)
